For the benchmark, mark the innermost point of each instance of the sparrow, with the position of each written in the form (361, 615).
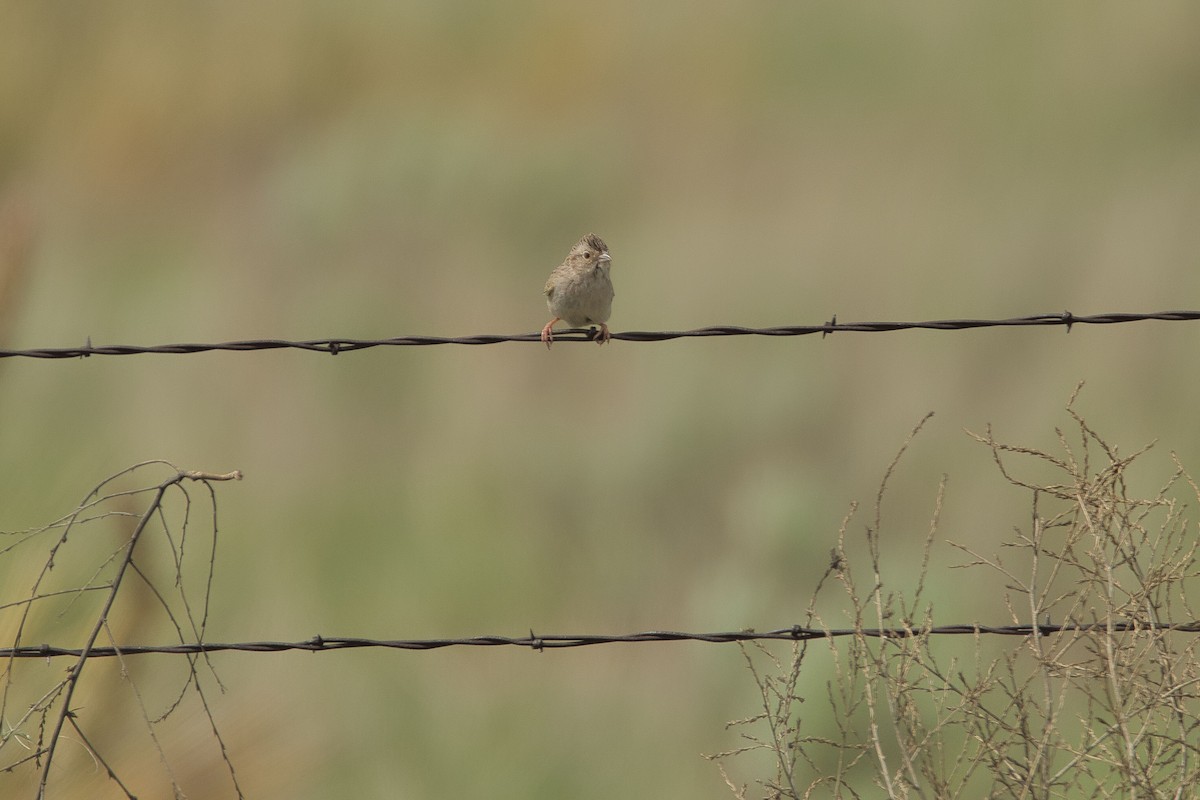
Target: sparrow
(579, 291)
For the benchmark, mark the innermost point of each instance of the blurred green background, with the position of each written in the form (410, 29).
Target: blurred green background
(218, 171)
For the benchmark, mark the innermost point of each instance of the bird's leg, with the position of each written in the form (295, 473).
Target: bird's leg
(604, 334)
(547, 334)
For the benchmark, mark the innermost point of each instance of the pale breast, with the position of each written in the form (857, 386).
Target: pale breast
(583, 298)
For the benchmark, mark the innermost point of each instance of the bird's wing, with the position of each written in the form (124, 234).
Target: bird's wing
(552, 282)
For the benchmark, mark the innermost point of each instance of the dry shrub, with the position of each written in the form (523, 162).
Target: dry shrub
(1088, 689)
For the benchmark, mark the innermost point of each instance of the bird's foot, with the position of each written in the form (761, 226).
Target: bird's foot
(603, 336)
(547, 334)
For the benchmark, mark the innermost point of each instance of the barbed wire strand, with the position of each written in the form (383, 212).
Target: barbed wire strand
(335, 346)
(554, 641)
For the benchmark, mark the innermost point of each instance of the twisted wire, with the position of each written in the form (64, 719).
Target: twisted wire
(1064, 319)
(554, 641)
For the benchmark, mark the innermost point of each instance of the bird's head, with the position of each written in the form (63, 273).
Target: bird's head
(589, 251)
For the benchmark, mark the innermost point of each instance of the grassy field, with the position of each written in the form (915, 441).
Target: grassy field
(190, 172)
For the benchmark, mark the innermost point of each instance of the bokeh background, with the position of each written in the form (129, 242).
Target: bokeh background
(218, 171)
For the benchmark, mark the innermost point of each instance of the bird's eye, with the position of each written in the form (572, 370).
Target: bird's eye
(587, 253)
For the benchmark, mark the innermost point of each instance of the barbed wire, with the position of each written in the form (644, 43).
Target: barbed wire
(553, 641)
(335, 346)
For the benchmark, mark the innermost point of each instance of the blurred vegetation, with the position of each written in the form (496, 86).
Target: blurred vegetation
(1093, 697)
(215, 171)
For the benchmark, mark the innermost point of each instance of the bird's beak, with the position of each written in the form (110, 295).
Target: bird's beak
(605, 257)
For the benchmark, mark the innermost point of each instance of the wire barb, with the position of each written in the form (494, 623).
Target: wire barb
(337, 346)
(829, 326)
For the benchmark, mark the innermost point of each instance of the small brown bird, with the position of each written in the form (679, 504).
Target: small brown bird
(579, 291)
